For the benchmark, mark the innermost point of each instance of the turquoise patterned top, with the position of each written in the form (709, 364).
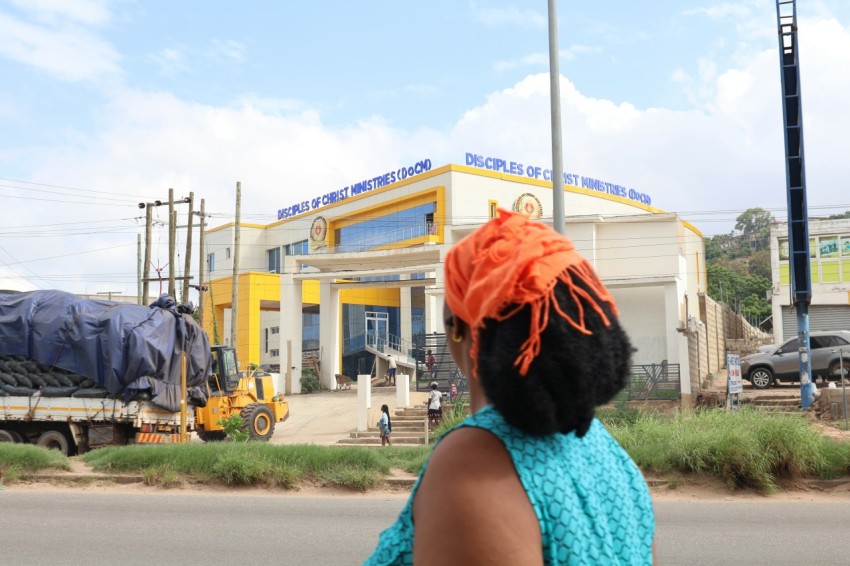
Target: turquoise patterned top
(590, 498)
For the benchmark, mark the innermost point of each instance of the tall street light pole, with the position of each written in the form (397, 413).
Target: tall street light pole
(555, 101)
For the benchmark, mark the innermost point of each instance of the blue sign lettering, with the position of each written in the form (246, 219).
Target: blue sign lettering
(356, 189)
(572, 179)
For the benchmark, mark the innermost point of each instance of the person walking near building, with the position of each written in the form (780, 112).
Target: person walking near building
(385, 425)
(531, 477)
(435, 406)
(431, 364)
(391, 371)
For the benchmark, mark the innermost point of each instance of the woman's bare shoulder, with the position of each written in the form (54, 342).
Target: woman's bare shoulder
(471, 499)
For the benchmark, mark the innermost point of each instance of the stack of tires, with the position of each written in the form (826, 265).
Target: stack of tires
(20, 377)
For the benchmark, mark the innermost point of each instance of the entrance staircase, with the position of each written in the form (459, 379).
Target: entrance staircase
(409, 429)
(776, 403)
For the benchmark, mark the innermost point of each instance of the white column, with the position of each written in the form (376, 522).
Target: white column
(677, 342)
(290, 329)
(434, 298)
(364, 401)
(329, 322)
(402, 391)
(776, 311)
(405, 316)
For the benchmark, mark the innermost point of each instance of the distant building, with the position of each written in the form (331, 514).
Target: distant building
(368, 260)
(829, 260)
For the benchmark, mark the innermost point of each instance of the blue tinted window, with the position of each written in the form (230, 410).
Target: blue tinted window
(273, 257)
(298, 248)
(396, 227)
(309, 331)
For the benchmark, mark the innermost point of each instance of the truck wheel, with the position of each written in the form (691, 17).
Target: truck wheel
(259, 421)
(10, 436)
(212, 435)
(55, 440)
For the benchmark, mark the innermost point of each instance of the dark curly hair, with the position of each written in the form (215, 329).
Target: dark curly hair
(572, 375)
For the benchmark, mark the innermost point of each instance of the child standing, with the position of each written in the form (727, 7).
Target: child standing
(435, 408)
(386, 426)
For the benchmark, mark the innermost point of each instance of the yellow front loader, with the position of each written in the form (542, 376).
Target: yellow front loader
(252, 396)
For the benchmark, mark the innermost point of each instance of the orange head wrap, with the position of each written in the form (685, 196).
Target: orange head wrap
(511, 262)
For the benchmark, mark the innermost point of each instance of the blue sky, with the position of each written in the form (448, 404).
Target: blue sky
(104, 104)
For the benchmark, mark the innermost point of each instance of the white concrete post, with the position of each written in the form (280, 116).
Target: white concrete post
(402, 391)
(364, 401)
(290, 328)
(329, 325)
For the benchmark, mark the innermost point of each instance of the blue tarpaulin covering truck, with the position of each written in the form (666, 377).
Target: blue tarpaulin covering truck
(78, 373)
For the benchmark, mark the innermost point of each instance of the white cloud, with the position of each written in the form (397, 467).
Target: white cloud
(504, 17)
(12, 282)
(63, 50)
(86, 12)
(725, 153)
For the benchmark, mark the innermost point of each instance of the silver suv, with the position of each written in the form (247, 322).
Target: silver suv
(782, 361)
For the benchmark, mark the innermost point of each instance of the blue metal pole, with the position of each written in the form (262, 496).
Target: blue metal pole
(806, 397)
(795, 182)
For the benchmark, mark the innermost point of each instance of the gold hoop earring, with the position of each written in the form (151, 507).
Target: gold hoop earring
(456, 338)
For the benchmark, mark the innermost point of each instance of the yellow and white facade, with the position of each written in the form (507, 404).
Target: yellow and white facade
(380, 245)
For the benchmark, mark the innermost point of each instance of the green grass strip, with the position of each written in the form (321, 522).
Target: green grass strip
(747, 448)
(18, 459)
(258, 464)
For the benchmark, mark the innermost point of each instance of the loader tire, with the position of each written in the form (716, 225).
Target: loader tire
(212, 435)
(259, 421)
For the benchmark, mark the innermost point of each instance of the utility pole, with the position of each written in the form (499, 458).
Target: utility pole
(139, 269)
(555, 102)
(201, 260)
(188, 264)
(234, 299)
(172, 235)
(146, 270)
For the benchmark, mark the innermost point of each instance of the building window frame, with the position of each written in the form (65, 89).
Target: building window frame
(273, 259)
(492, 207)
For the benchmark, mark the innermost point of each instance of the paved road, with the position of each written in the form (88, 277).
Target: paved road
(68, 527)
(753, 532)
(85, 528)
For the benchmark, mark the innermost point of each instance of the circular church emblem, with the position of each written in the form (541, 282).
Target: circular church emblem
(319, 230)
(529, 205)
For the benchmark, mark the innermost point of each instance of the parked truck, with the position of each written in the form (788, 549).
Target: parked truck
(77, 374)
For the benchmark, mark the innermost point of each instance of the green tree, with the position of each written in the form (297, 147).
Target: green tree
(759, 263)
(718, 246)
(754, 221)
